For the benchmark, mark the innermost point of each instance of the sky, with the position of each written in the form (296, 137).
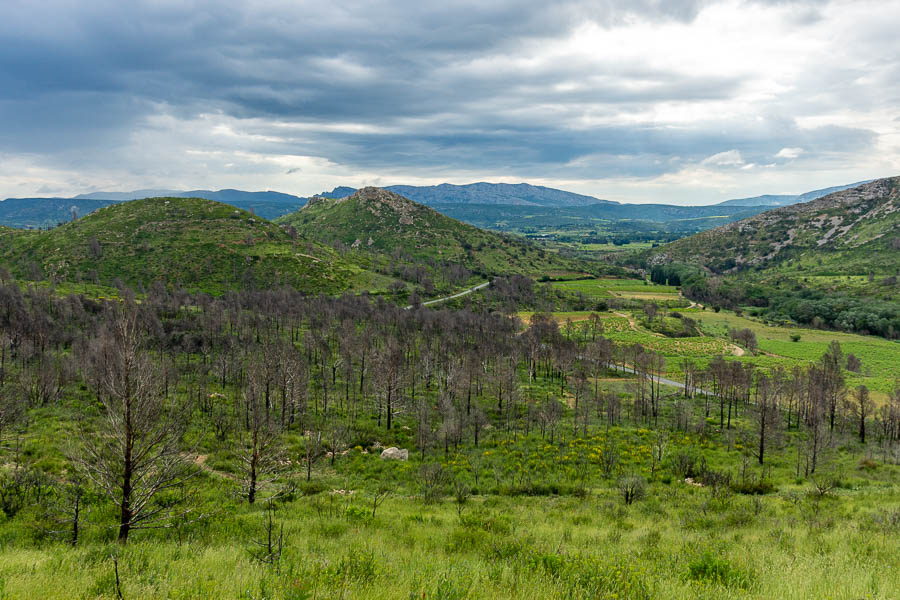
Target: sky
(676, 101)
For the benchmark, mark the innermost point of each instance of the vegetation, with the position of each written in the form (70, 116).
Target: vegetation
(257, 421)
(582, 438)
(196, 244)
(830, 263)
(396, 236)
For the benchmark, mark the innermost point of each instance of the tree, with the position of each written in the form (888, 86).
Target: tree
(12, 410)
(862, 405)
(767, 419)
(135, 454)
(832, 384)
(259, 444)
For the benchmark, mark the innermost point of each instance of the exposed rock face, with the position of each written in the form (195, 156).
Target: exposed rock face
(393, 453)
(376, 200)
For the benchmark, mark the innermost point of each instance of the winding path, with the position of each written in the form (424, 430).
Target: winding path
(458, 295)
(662, 380)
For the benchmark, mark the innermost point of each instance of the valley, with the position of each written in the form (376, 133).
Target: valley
(367, 398)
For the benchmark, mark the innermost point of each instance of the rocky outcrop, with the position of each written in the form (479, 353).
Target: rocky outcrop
(394, 453)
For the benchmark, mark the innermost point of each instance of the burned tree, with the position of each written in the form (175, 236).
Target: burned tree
(135, 453)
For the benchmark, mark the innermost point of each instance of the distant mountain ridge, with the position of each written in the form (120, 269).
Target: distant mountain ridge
(788, 199)
(226, 196)
(474, 203)
(25, 213)
(509, 194)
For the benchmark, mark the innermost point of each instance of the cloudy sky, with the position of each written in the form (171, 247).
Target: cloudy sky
(681, 101)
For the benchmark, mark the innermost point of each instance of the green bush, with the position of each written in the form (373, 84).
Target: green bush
(708, 568)
(358, 566)
(357, 514)
(754, 488)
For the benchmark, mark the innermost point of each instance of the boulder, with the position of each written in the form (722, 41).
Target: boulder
(395, 454)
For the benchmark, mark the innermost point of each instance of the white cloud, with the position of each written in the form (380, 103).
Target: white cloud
(789, 153)
(729, 158)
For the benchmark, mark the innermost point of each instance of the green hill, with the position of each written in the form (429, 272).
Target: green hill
(198, 244)
(851, 232)
(380, 223)
(832, 262)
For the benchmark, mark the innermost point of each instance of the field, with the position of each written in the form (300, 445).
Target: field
(678, 544)
(625, 288)
(523, 515)
(880, 358)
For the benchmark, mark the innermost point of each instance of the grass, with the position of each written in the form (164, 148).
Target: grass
(880, 358)
(198, 244)
(679, 542)
(609, 287)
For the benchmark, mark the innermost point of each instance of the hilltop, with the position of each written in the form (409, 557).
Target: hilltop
(381, 222)
(851, 232)
(199, 244)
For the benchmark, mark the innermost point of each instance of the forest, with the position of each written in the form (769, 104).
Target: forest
(280, 445)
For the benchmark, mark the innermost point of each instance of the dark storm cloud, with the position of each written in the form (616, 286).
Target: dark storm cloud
(438, 84)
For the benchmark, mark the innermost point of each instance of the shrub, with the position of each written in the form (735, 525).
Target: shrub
(356, 513)
(358, 566)
(434, 479)
(599, 578)
(632, 487)
(485, 521)
(867, 464)
(708, 568)
(311, 488)
(448, 588)
(750, 487)
(463, 539)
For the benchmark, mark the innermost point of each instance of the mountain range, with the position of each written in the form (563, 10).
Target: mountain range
(788, 199)
(487, 205)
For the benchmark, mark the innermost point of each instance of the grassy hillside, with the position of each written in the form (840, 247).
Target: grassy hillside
(199, 244)
(380, 222)
(852, 232)
(833, 262)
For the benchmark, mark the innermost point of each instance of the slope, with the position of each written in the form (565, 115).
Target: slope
(378, 222)
(851, 232)
(832, 262)
(195, 243)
